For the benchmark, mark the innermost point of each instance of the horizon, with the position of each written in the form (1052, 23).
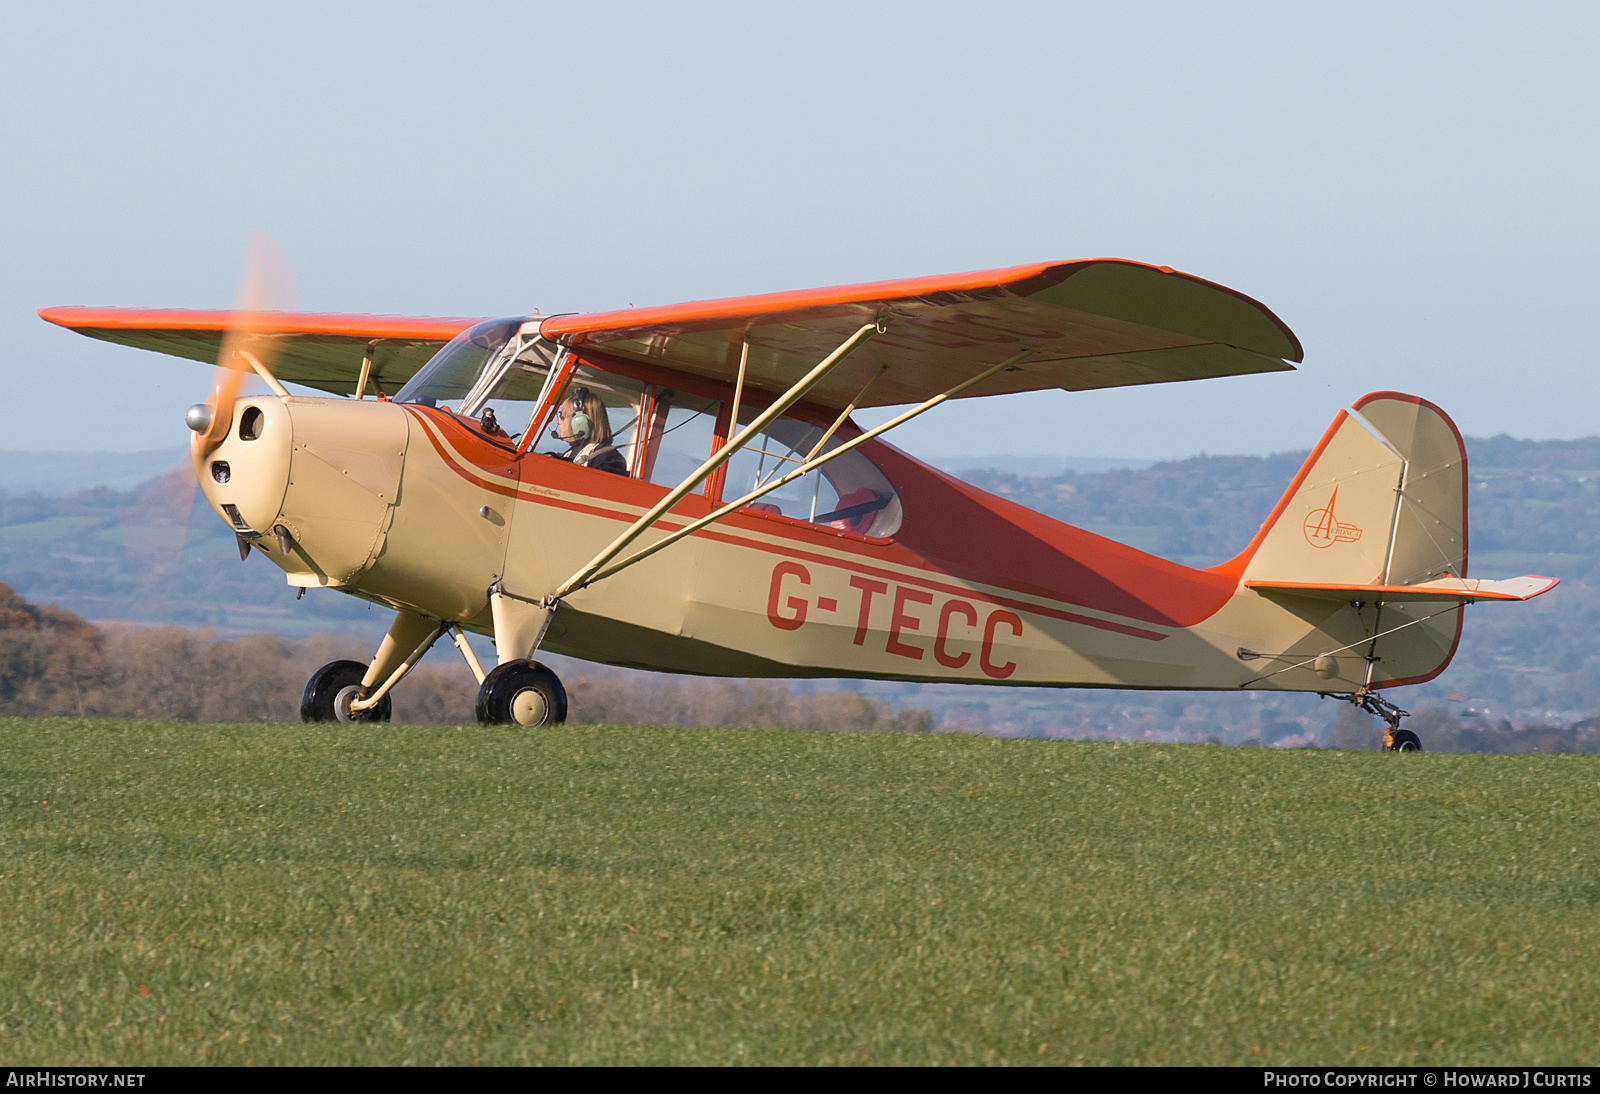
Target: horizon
(59, 473)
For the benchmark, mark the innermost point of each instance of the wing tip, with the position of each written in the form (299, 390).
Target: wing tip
(60, 315)
(427, 328)
(1297, 352)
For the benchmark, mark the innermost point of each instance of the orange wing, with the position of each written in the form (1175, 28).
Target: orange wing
(319, 351)
(1095, 323)
(1099, 322)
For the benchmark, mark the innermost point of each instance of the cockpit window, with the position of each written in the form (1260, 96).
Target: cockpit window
(848, 493)
(605, 437)
(681, 430)
(493, 372)
(452, 372)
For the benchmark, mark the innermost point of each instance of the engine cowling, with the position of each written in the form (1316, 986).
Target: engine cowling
(313, 481)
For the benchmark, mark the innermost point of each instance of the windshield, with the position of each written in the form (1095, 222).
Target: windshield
(453, 371)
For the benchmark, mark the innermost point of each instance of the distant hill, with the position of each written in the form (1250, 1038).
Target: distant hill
(152, 556)
(1033, 466)
(58, 474)
(156, 555)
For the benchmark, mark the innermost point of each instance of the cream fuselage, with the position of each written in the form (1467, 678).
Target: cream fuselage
(416, 510)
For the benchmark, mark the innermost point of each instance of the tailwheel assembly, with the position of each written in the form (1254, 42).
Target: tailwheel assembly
(332, 689)
(521, 693)
(1395, 739)
(1401, 740)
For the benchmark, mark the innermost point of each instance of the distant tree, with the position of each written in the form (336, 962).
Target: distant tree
(50, 659)
(1355, 730)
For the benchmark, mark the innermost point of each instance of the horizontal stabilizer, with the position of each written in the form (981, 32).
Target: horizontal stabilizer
(1442, 589)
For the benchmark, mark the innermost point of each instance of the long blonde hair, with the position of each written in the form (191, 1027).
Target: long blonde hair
(587, 403)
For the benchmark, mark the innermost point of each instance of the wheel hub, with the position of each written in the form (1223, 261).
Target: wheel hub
(528, 707)
(342, 701)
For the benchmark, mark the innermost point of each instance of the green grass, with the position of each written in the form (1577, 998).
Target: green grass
(339, 894)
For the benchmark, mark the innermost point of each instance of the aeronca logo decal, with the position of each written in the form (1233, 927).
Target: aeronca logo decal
(1323, 529)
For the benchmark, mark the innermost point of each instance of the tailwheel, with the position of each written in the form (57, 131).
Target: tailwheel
(1401, 740)
(332, 689)
(522, 693)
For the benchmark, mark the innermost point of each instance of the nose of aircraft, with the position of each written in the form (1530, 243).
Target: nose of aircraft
(245, 476)
(312, 480)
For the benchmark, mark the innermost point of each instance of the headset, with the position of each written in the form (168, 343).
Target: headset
(579, 425)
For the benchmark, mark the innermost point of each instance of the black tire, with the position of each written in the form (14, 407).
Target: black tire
(1405, 741)
(521, 693)
(329, 691)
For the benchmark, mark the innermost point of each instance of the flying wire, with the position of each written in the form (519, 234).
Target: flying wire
(1353, 645)
(1449, 565)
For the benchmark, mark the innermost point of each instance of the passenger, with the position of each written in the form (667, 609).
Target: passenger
(856, 512)
(583, 424)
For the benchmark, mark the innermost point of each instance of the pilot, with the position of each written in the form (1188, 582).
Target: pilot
(582, 423)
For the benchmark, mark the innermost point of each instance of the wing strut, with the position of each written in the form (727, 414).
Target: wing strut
(264, 372)
(811, 464)
(366, 368)
(720, 457)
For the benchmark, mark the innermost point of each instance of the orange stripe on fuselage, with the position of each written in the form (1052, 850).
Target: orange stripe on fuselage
(449, 454)
(950, 529)
(455, 460)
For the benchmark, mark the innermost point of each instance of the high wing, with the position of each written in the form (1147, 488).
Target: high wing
(1093, 323)
(317, 350)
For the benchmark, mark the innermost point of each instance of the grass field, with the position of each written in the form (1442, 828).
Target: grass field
(341, 894)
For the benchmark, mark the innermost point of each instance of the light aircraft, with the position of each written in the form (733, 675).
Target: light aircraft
(683, 488)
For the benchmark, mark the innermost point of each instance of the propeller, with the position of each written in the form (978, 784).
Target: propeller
(154, 530)
(264, 287)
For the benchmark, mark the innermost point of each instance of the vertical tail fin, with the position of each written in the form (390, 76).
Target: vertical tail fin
(1380, 501)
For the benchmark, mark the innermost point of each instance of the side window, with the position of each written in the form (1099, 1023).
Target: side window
(621, 425)
(596, 422)
(681, 428)
(513, 400)
(848, 493)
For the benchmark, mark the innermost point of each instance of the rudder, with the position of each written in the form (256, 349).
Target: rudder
(1381, 500)
(1379, 507)
(1430, 526)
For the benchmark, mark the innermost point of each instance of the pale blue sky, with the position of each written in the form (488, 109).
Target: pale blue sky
(1411, 187)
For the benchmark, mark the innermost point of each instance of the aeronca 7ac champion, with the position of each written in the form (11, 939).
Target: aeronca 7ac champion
(682, 488)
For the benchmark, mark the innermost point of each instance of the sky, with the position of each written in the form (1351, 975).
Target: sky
(1410, 187)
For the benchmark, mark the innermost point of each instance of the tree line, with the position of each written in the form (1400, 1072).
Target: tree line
(53, 663)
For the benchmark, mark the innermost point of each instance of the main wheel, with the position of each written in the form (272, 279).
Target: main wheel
(332, 689)
(1405, 741)
(521, 693)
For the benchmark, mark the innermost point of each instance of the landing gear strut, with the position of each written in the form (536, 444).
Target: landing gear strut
(1395, 739)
